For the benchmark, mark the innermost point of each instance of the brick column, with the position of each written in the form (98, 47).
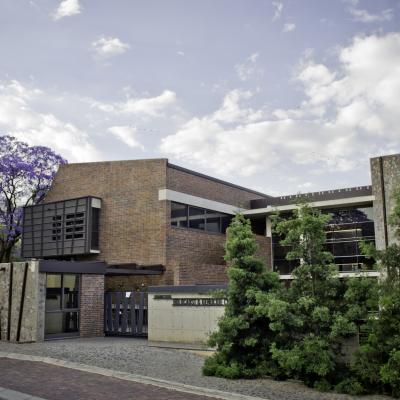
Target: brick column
(92, 305)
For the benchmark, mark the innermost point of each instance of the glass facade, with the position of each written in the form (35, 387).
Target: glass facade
(347, 228)
(185, 216)
(62, 305)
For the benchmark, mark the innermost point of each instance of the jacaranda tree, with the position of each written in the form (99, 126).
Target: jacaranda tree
(26, 173)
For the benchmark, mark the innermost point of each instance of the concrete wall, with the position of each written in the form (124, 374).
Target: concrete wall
(181, 324)
(385, 174)
(32, 321)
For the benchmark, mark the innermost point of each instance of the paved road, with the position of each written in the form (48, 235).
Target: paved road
(136, 357)
(58, 383)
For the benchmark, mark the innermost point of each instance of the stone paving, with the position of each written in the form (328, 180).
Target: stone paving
(134, 356)
(58, 383)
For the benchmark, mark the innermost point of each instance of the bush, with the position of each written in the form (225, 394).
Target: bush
(349, 386)
(390, 373)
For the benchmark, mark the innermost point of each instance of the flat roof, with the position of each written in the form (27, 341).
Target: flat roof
(189, 171)
(326, 195)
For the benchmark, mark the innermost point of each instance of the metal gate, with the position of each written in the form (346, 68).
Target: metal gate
(125, 314)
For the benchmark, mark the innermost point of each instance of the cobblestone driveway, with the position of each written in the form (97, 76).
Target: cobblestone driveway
(134, 356)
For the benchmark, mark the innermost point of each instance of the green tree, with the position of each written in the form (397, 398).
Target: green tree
(309, 318)
(377, 363)
(243, 337)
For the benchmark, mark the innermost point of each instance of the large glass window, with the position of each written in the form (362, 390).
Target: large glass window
(197, 218)
(179, 214)
(185, 216)
(347, 228)
(62, 305)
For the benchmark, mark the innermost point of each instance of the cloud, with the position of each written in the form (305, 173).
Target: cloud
(278, 6)
(364, 16)
(289, 27)
(127, 134)
(67, 8)
(146, 107)
(19, 118)
(346, 115)
(248, 69)
(106, 47)
(180, 53)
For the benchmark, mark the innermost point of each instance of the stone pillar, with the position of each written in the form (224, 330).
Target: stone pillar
(385, 175)
(91, 305)
(21, 302)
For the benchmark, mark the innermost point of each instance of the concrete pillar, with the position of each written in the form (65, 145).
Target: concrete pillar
(22, 298)
(385, 175)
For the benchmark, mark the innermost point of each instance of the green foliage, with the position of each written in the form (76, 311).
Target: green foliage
(390, 372)
(377, 362)
(350, 386)
(310, 317)
(299, 331)
(244, 337)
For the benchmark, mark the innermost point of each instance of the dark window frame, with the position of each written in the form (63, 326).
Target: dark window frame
(205, 213)
(333, 228)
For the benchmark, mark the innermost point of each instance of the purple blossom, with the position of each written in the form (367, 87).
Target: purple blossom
(26, 174)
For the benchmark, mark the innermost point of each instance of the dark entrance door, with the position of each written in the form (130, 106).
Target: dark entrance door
(125, 314)
(62, 305)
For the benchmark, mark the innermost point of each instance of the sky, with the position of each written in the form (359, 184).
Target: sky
(283, 97)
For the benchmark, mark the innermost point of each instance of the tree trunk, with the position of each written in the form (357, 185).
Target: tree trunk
(5, 254)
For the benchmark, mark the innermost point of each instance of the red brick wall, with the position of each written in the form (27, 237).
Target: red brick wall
(135, 225)
(91, 305)
(202, 274)
(208, 188)
(132, 282)
(132, 219)
(202, 254)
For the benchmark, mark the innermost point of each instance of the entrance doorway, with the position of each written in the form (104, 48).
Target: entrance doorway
(125, 314)
(62, 306)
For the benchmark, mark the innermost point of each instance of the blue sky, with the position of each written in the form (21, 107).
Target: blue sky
(280, 96)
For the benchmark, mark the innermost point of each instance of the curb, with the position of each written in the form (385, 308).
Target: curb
(8, 394)
(179, 387)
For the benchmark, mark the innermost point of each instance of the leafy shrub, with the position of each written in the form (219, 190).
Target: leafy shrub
(349, 386)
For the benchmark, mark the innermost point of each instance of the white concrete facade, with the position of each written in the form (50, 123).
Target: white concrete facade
(181, 324)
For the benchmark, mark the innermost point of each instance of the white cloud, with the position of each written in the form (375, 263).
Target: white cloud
(127, 134)
(19, 118)
(278, 6)
(362, 15)
(346, 116)
(180, 53)
(289, 27)
(67, 8)
(146, 107)
(106, 47)
(248, 69)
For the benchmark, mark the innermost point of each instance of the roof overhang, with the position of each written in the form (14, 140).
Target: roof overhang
(184, 198)
(74, 267)
(351, 201)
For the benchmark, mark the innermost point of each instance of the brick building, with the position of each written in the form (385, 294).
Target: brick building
(128, 225)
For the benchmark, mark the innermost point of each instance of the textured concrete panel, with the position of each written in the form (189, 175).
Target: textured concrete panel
(183, 324)
(385, 174)
(31, 329)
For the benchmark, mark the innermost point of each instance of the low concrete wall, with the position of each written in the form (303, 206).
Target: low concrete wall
(28, 325)
(182, 314)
